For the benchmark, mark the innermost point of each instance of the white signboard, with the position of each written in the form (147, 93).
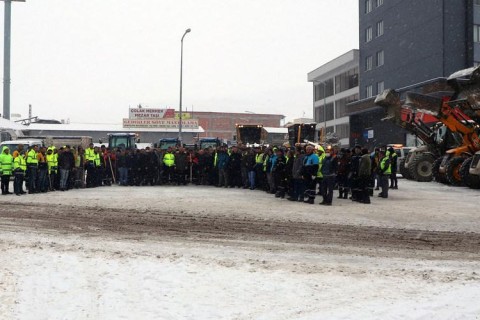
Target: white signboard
(150, 113)
(166, 123)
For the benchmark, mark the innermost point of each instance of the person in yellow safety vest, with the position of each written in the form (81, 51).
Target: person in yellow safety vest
(319, 178)
(19, 168)
(52, 162)
(393, 176)
(169, 166)
(98, 167)
(384, 172)
(259, 174)
(79, 168)
(32, 167)
(6, 168)
(90, 166)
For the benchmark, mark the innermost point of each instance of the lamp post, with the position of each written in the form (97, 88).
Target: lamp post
(324, 113)
(6, 56)
(181, 75)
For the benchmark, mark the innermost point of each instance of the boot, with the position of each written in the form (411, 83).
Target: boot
(309, 200)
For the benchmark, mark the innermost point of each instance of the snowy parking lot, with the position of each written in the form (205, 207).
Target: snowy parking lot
(196, 252)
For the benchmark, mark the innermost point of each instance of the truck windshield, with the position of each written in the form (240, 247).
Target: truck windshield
(13, 146)
(120, 142)
(167, 144)
(208, 144)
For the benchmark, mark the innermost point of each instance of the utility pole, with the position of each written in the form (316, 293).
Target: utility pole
(181, 77)
(6, 56)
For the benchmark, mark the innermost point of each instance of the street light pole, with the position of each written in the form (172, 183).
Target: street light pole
(181, 76)
(324, 113)
(7, 31)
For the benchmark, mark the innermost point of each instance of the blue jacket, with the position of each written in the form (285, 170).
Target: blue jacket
(329, 166)
(222, 160)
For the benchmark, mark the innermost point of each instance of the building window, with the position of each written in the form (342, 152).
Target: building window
(323, 89)
(368, 6)
(380, 58)
(379, 28)
(346, 80)
(368, 34)
(380, 87)
(380, 2)
(476, 33)
(369, 91)
(368, 63)
(343, 130)
(320, 114)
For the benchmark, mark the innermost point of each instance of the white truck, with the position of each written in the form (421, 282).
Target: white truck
(47, 141)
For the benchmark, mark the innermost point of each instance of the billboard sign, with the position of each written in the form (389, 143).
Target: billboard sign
(165, 123)
(150, 113)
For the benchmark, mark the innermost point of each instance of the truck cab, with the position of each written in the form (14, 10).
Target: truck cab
(13, 144)
(122, 140)
(209, 142)
(249, 134)
(166, 143)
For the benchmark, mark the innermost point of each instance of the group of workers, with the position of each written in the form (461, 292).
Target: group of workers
(298, 174)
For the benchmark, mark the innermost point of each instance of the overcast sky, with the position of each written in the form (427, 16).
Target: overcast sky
(88, 61)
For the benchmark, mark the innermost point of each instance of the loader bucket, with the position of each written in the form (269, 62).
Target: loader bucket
(424, 103)
(390, 100)
(467, 85)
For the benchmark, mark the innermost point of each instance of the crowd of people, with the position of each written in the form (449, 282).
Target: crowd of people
(298, 174)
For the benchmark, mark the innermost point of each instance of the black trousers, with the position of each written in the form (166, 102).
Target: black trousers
(32, 178)
(5, 183)
(18, 182)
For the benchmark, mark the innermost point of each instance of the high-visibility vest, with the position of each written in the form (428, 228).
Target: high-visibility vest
(77, 158)
(321, 158)
(6, 163)
(32, 158)
(215, 159)
(90, 154)
(259, 158)
(19, 163)
(383, 163)
(97, 160)
(265, 162)
(52, 162)
(169, 159)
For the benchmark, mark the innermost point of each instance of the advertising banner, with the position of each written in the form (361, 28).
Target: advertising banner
(166, 123)
(150, 113)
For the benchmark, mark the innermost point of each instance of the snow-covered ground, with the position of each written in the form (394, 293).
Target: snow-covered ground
(48, 273)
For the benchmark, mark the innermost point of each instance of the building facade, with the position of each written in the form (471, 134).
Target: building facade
(335, 84)
(403, 42)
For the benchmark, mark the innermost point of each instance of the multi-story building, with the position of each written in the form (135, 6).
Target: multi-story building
(335, 84)
(403, 42)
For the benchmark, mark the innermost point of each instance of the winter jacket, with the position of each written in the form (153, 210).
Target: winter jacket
(6, 161)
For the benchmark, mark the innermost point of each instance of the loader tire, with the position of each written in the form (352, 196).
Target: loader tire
(439, 177)
(420, 167)
(403, 171)
(470, 180)
(453, 171)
